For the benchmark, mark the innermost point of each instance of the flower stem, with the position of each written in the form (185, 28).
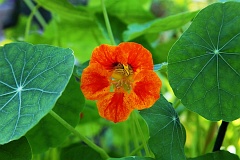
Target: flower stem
(76, 133)
(145, 146)
(109, 30)
(220, 136)
(136, 150)
(39, 17)
(28, 24)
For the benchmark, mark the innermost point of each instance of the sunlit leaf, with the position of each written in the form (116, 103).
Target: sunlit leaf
(167, 135)
(16, 150)
(49, 132)
(31, 80)
(66, 10)
(203, 65)
(130, 11)
(79, 151)
(158, 25)
(217, 156)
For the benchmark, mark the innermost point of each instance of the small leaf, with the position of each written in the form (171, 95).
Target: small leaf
(167, 135)
(16, 150)
(79, 151)
(158, 25)
(49, 132)
(217, 156)
(203, 65)
(32, 78)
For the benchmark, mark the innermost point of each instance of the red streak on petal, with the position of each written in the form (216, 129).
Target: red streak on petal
(113, 107)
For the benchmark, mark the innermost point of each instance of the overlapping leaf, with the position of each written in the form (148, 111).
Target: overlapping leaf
(31, 80)
(49, 133)
(203, 65)
(167, 135)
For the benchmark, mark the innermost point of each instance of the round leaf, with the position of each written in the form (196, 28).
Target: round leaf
(31, 80)
(203, 65)
(167, 135)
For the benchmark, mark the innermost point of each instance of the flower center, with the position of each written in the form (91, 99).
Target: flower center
(122, 77)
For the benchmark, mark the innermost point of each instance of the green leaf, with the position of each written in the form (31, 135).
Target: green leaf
(132, 158)
(217, 156)
(130, 11)
(79, 151)
(203, 65)
(158, 25)
(167, 135)
(66, 10)
(16, 150)
(32, 78)
(49, 132)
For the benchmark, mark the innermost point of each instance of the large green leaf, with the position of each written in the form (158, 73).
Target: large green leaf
(167, 135)
(16, 150)
(203, 65)
(158, 25)
(49, 132)
(218, 155)
(31, 80)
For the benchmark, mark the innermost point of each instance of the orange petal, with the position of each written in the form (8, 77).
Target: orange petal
(146, 89)
(138, 56)
(95, 81)
(113, 107)
(107, 56)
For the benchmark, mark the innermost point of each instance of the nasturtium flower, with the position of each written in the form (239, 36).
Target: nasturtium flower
(121, 79)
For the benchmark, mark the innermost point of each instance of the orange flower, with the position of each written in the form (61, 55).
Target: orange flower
(121, 79)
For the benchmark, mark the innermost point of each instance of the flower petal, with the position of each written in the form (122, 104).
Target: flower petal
(138, 56)
(108, 56)
(146, 89)
(114, 107)
(95, 81)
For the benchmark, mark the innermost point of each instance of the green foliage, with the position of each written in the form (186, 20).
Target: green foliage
(49, 132)
(203, 68)
(31, 80)
(77, 151)
(16, 150)
(158, 25)
(198, 48)
(167, 135)
(216, 156)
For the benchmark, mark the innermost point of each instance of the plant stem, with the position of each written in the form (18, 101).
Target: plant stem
(76, 133)
(110, 34)
(39, 17)
(136, 150)
(28, 24)
(145, 146)
(221, 133)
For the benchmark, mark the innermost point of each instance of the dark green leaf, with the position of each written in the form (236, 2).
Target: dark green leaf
(218, 155)
(16, 150)
(49, 132)
(167, 135)
(158, 25)
(79, 151)
(203, 65)
(132, 158)
(32, 78)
